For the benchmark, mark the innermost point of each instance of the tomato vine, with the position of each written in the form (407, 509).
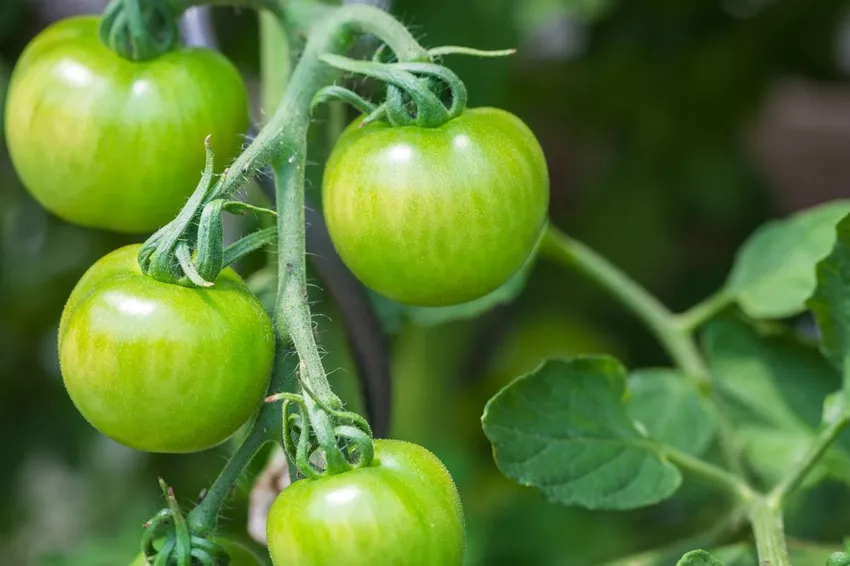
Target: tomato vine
(558, 428)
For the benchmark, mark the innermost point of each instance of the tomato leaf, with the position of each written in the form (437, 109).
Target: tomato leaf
(671, 409)
(698, 558)
(768, 378)
(564, 429)
(773, 387)
(774, 272)
(771, 451)
(830, 302)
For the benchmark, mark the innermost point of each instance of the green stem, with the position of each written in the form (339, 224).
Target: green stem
(332, 34)
(656, 316)
(699, 314)
(678, 342)
(826, 436)
(769, 533)
(265, 428)
(727, 481)
(275, 62)
(285, 139)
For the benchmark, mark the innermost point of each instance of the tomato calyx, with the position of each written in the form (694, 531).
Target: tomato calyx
(169, 540)
(139, 31)
(413, 87)
(323, 439)
(190, 250)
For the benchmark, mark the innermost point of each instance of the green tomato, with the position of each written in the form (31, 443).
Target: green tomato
(110, 143)
(403, 510)
(160, 367)
(239, 555)
(437, 216)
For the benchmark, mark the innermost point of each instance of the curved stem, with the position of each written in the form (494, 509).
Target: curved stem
(287, 128)
(699, 314)
(656, 316)
(678, 341)
(265, 428)
(284, 140)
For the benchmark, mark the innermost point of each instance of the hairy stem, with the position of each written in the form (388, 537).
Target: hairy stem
(284, 139)
(678, 342)
(265, 428)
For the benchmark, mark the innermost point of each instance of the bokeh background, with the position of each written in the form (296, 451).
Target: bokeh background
(672, 129)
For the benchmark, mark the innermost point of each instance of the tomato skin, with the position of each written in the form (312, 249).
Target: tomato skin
(160, 367)
(239, 555)
(404, 510)
(437, 216)
(110, 143)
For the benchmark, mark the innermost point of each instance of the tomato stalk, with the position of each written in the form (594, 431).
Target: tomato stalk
(265, 428)
(769, 533)
(283, 142)
(293, 316)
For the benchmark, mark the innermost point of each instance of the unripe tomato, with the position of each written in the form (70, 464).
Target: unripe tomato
(239, 555)
(437, 216)
(160, 367)
(403, 510)
(110, 143)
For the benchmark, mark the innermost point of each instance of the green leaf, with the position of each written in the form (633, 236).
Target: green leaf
(563, 428)
(830, 302)
(774, 272)
(699, 558)
(671, 409)
(772, 451)
(768, 378)
(774, 387)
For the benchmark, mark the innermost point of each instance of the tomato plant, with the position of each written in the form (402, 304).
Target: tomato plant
(404, 509)
(116, 144)
(161, 367)
(443, 208)
(437, 216)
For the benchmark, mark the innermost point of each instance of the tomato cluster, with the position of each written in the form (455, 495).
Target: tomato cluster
(426, 216)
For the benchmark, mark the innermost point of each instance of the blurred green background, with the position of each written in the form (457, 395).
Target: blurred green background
(672, 129)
